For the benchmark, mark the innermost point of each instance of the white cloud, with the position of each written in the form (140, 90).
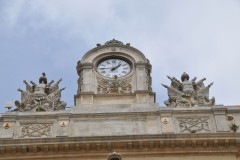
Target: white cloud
(199, 37)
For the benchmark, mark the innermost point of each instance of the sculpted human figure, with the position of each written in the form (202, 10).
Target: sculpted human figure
(188, 87)
(40, 88)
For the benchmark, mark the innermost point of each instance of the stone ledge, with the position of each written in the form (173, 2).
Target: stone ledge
(206, 143)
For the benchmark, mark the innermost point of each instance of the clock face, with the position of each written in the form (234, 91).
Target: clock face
(113, 66)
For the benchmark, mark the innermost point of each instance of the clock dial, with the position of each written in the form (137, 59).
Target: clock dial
(113, 66)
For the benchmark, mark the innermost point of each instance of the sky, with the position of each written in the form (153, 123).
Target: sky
(200, 37)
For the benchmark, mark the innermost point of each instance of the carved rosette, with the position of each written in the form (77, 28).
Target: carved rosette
(194, 125)
(114, 86)
(36, 130)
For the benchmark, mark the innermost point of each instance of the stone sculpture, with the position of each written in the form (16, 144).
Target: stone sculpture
(114, 86)
(188, 93)
(41, 97)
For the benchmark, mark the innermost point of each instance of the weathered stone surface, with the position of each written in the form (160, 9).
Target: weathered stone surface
(41, 97)
(144, 128)
(94, 88)
(119, 120)
(188, 93)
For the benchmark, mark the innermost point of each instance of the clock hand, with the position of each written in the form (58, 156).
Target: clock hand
(116, 67)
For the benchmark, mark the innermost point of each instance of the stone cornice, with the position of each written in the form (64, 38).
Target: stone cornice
(161, 110)
(159, 144)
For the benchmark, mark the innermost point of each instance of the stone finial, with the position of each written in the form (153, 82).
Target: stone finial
(188, 93)
(41, 97)
(114, 41)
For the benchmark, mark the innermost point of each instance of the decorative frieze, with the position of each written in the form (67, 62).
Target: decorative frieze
(36, 130)
(89, 147)
(193, 125)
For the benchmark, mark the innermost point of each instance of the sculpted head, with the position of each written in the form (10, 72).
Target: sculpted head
(43, 79)
(184, 76)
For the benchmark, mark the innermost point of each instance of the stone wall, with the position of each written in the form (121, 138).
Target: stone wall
(137, 131)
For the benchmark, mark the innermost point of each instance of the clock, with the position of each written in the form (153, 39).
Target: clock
(111, 67)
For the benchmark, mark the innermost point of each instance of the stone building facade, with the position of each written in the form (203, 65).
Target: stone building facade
(115, 116)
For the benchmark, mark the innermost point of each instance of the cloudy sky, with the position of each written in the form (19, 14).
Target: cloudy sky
(200, 37)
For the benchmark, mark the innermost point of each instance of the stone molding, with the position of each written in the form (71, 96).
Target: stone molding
(220, 143)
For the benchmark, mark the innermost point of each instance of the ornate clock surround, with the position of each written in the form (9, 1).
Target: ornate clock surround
(134, 87)
(116, 56)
